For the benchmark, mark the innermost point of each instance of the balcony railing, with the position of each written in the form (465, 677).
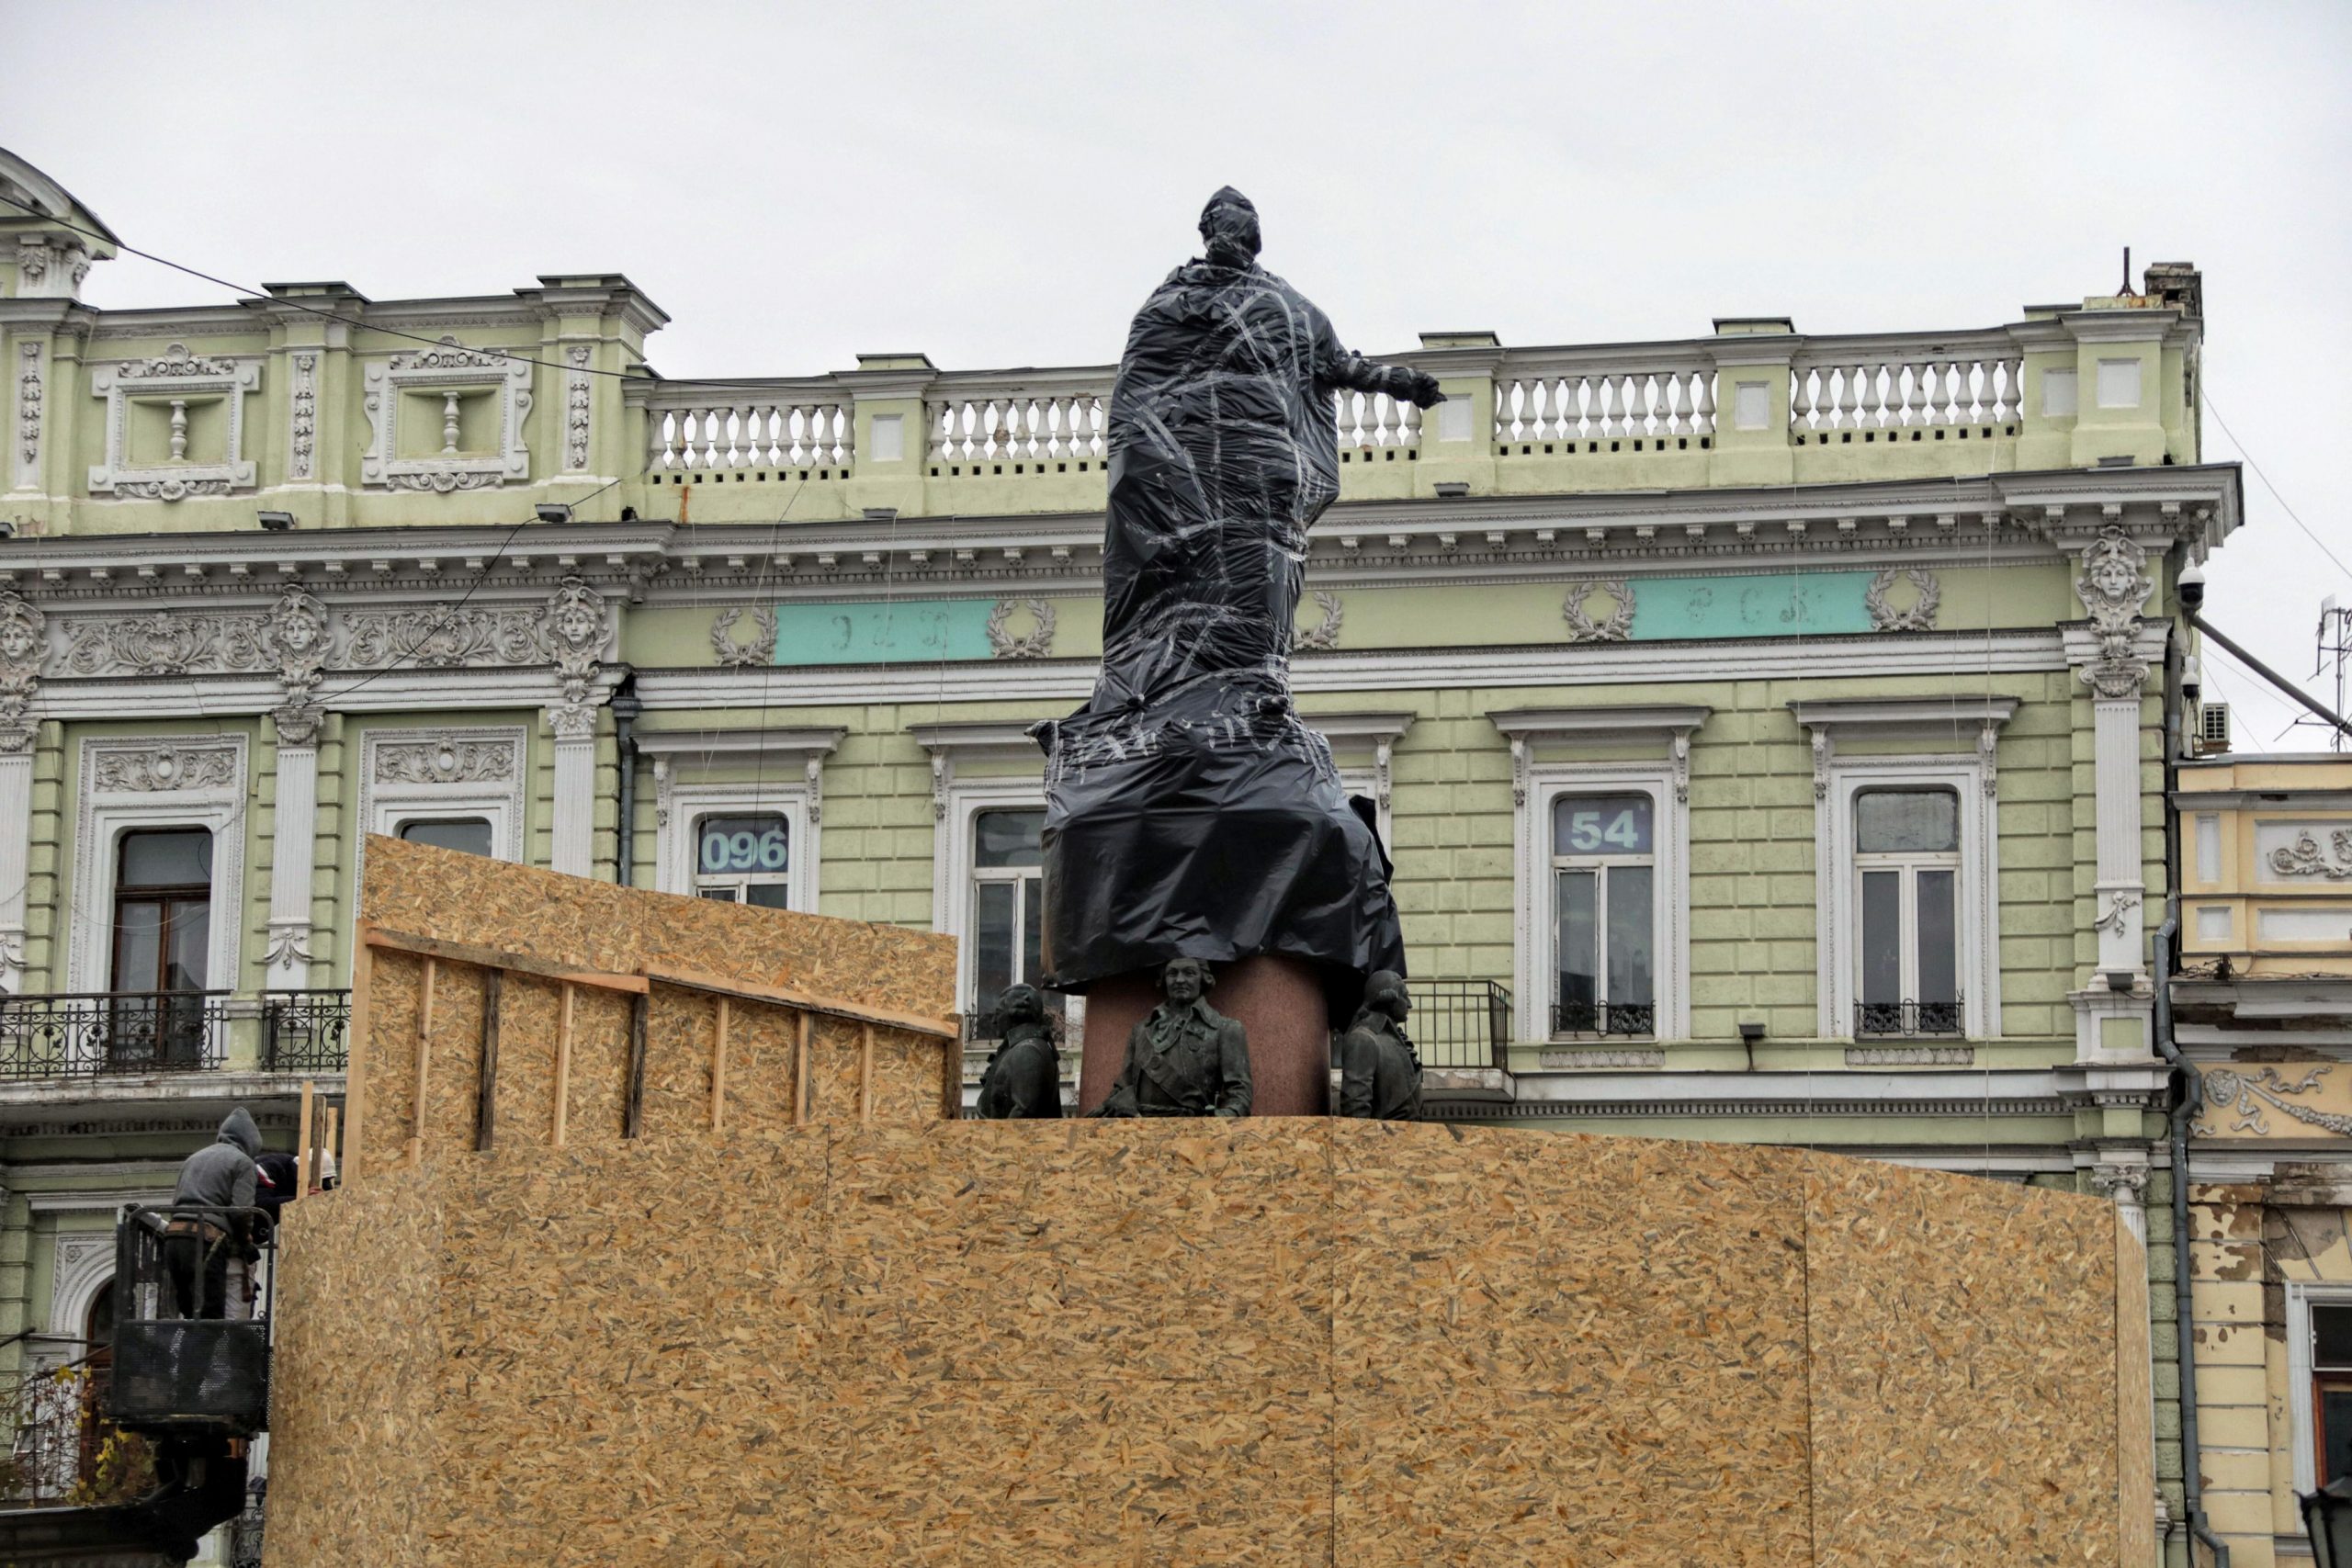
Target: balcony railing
(305, 1032)
(1877, 1019)
(1623, 1019)
(92, 1033)
(1459, 1023)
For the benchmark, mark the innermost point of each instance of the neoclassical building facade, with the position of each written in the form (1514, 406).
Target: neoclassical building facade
(1769, 728)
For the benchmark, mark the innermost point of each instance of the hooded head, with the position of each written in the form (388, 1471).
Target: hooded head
(1229, 229)
(237, 1128)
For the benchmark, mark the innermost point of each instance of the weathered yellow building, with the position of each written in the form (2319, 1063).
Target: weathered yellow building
(2263, 1003)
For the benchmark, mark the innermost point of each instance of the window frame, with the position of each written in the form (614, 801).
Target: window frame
(405, 819)
(1601, 865)
(741, 882)
(678, 834)
(975, 875)
(1908, 864)
(170, 897)
(1837, 883)
(1534, 909)
(955, 876)
(2302, 1435)
(104, 816)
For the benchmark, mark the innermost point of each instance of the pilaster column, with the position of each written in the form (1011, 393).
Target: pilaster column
(2113, 585)
(23, 642)
(574, 839)
(2125, 1184)
(16, 851)
(293, 847)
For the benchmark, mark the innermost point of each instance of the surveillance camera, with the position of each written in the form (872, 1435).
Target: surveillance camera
(2192, 589)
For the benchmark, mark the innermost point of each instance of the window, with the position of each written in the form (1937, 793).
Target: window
(2331, 1390)
(1906, 868)
(163, 910)
(744, 859)
(1007, 905)
(162, 940)
(466, 835)
(1604, 935)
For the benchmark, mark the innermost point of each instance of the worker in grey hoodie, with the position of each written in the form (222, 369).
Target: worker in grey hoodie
(198, 1244)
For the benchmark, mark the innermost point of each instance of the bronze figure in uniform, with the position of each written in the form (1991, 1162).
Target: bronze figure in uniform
(1023, 1078)
(1380, 1074)
(1185, 1058)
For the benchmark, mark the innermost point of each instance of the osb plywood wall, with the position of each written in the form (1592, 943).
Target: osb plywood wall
(1280, 1341)
(576, 944)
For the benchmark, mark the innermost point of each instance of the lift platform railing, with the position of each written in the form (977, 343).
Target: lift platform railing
(191, 1338)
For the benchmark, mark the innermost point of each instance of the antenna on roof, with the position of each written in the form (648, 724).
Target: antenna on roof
(2127, 270)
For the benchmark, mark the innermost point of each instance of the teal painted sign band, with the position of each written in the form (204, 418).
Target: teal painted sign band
(902, 631)
(1793, 604)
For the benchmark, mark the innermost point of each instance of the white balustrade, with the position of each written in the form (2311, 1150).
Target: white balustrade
(749, 434)
(1369, 421)
(1882, 392)
(1534, 404)
(1019, 424)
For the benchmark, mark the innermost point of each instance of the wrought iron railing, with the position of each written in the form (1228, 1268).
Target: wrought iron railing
(62, 1449)
(305, 1032)
(1877, 1019)
(1627, 1019)
(1459, 1023)
(91, 1033)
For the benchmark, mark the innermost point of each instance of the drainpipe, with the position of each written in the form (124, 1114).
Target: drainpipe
(2187, 1102)
(627, 706)
(2189, 1098)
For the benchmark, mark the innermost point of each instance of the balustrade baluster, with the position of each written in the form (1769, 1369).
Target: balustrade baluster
(1611, 421)
(1801, 399)
(1914, 407)
(1681, 425)
(1955, 404)
(1702, 420)
(1384, 420)
(1848, 414)
(1410, 423)
(765, 419)
(674, 448)
(712, 420)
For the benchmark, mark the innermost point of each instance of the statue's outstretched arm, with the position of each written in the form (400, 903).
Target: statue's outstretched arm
(1406, 384)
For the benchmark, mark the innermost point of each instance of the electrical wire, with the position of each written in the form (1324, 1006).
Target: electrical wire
(248, 292)
(91, 925)
(2206, 397)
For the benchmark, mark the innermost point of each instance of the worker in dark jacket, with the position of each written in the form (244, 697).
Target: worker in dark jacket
(1024, 1080)
(1380, 1074)
(1186, 1058)
(199, 1241)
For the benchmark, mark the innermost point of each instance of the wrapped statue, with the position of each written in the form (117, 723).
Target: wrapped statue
(1380, 1072)
(1188, 811)
(1186, 1058)
(1022, 1081)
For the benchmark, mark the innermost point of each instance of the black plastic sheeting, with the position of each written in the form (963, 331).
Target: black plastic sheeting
(1189, 812)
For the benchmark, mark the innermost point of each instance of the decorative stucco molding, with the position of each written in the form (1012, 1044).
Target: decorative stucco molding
(577, 404)
(1324, 635)
(2305, 858)
(1616, 627)
(441, 637)
(2246, 1096)
(739, 654)
(302, 420)
(452, 372)
(180, 379)
(1037, 644)
(1918, 616)
(157, 768)
(23, 642)
(2113, 586)
(28, 412)
(443, 761)
(1910, 1055)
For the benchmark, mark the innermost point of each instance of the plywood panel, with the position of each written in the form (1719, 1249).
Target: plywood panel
(357, 1357)
(1962, 1359)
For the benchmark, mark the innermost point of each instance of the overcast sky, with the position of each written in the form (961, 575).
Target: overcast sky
(999, 185)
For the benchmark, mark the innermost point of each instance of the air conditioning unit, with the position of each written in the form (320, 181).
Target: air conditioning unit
(2213, 727)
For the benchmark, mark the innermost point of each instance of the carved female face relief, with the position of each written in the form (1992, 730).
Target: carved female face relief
(19, 632)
